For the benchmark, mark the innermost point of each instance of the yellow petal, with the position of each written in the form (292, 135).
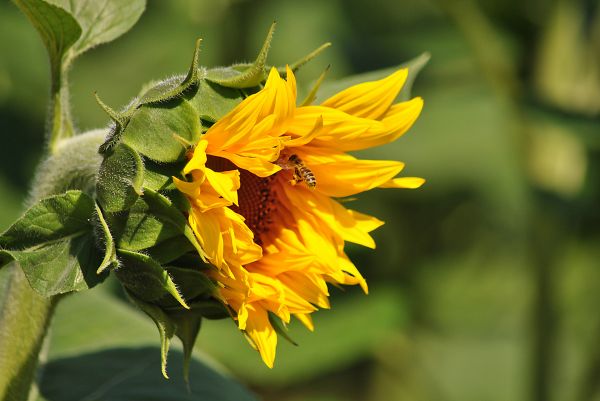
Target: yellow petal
(404, 182)
(369, 99)
(198, 160)
(225, 184)
(340, 175)
(306, 320)
(259, 329)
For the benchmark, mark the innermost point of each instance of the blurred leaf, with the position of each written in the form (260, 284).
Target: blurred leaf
(120, 179)
(329, 88)
(344, 335)
(114, 345)
(58, 29)
(54, 244)
(126, 374)
(101, 20)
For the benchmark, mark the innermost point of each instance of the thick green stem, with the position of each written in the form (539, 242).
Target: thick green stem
(24, 314)
(59, 124)
(24, 320)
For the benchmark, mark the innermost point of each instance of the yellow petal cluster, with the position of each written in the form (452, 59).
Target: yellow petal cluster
(276, 240)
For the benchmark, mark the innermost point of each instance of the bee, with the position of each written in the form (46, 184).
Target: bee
(301, 172)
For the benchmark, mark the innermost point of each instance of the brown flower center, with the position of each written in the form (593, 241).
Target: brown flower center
(256, 196)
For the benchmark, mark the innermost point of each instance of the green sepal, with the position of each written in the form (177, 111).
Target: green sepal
(312, 95)
(53, 242)
(213, 101)
(414, 66)
(170, 249)
(187, 328)
(192, 282)
(140, 228)
(295, 66)
(244, 75)
(166, 327)
(172, 88)
(159, 176)
(280, 328)
(110, 252)
(211, 309)
(153, 128)
(120, 179)
(145, 278)
(166, 211)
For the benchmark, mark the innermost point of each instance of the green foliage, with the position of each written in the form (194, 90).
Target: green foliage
(68, 29)
(101, 21)
(57, 27)
(54, 244)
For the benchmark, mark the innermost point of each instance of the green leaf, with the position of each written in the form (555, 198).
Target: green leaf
(146, 279)
(101, 20)
(58, 29)
(120, 179)
(54, 244)
(153, 129)
(328, 89)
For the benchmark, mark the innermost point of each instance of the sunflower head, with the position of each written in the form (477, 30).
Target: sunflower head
(219, 194)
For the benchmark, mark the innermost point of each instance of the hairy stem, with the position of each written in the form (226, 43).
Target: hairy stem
(24, 314)
(24, 319)
(59, 125)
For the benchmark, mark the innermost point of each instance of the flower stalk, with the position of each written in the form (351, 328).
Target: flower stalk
(24, 317)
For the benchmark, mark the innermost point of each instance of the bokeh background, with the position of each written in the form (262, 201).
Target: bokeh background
(485, 283)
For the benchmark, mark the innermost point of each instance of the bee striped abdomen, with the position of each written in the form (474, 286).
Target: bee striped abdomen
(302, 173)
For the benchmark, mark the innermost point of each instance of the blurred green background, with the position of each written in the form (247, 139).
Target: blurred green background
(485, 282)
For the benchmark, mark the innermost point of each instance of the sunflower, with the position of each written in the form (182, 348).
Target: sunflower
(263, 182)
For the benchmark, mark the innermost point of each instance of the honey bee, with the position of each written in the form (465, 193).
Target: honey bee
(301, 172)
